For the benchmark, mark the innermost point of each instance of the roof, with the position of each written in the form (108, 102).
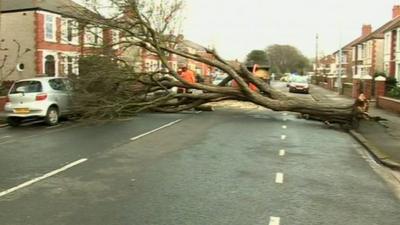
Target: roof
(392, 26)
(344, 48)
(55, 6)
(380, 32)
(193, 45)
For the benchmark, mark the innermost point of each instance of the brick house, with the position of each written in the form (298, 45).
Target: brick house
(369, 50)
(326, 65)
(55, 40)
(150, 62)
(194, 48)
(391, 47)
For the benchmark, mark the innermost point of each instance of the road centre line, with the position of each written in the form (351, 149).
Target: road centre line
(157, 129)
(284, 127)
(279, 178)
(282, 152)
(274, 220)
(47, 175)
(283, 137)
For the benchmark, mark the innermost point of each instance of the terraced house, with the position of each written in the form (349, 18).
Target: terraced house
(392, 50)
(40, 38)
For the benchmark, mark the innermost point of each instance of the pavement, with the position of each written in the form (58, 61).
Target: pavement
(380, 138)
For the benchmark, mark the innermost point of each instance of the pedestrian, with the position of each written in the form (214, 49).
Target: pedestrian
(188, 76)
(361, 106)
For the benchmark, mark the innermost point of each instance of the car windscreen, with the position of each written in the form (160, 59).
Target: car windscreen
(299, 79)
(31, 86)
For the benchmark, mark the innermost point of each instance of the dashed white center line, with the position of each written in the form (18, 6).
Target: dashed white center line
(285, 113)
(284, 127)
(282, 152)
(47, 175)
(274, 220)
(157, 129)
(283, 137)
(279, 178)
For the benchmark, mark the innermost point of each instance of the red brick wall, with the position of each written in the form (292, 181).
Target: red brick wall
(389, 104)
(42, 44)
(392, 64)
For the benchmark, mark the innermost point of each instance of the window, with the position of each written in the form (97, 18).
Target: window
(20, 67)
(359, 52)
(115, 38)
(50, 28)
(93, 36)
(50, 65)
(387, 47)
(57, 84)
(398, 40)
(69, 31)
(398, 72)
(70, 65)
(31, 86)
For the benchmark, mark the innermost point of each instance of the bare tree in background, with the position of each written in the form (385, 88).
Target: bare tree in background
(9, 61)
(119, 89)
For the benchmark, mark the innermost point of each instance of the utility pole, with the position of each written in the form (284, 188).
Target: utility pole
(339, 79)
(1, 70)
(316, 55)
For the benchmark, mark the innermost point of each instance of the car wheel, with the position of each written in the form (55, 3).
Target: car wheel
(14, 121)
(52, 116)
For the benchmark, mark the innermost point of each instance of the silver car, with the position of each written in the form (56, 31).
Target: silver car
(44, 97)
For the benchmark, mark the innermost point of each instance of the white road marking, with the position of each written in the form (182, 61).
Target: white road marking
(283, 137)
(157, 129)
(279, 178)
(282, 152)
(284, 127)
(4, 137)
(274, 220)
(285, 113)
(47, 175)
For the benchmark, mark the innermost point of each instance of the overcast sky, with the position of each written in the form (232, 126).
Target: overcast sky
(236, 27)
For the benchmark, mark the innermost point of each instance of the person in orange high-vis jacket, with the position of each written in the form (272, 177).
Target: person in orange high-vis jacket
(188, 76)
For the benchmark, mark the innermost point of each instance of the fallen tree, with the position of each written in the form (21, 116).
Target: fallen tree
(123, 90)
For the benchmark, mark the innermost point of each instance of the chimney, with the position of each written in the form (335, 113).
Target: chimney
(396, 11)
(366, 29)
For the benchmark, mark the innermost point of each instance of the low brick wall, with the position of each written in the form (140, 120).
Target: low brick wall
(347, 89)
(390, 104)
(323, 84)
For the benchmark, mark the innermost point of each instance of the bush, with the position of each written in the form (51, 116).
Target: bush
(394, 92)
(391, 83)
(5, 86)
(377, 74)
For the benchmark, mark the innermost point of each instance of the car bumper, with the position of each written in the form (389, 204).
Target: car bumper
(296, 89)
(24, 111)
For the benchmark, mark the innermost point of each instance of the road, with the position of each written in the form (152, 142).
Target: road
(232, 166)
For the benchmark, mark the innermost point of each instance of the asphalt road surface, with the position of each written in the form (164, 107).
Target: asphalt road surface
(244, 166)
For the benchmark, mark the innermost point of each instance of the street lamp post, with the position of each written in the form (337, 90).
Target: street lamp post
(339, 80)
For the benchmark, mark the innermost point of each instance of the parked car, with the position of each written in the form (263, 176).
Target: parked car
(299, 84)
(44, 97)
